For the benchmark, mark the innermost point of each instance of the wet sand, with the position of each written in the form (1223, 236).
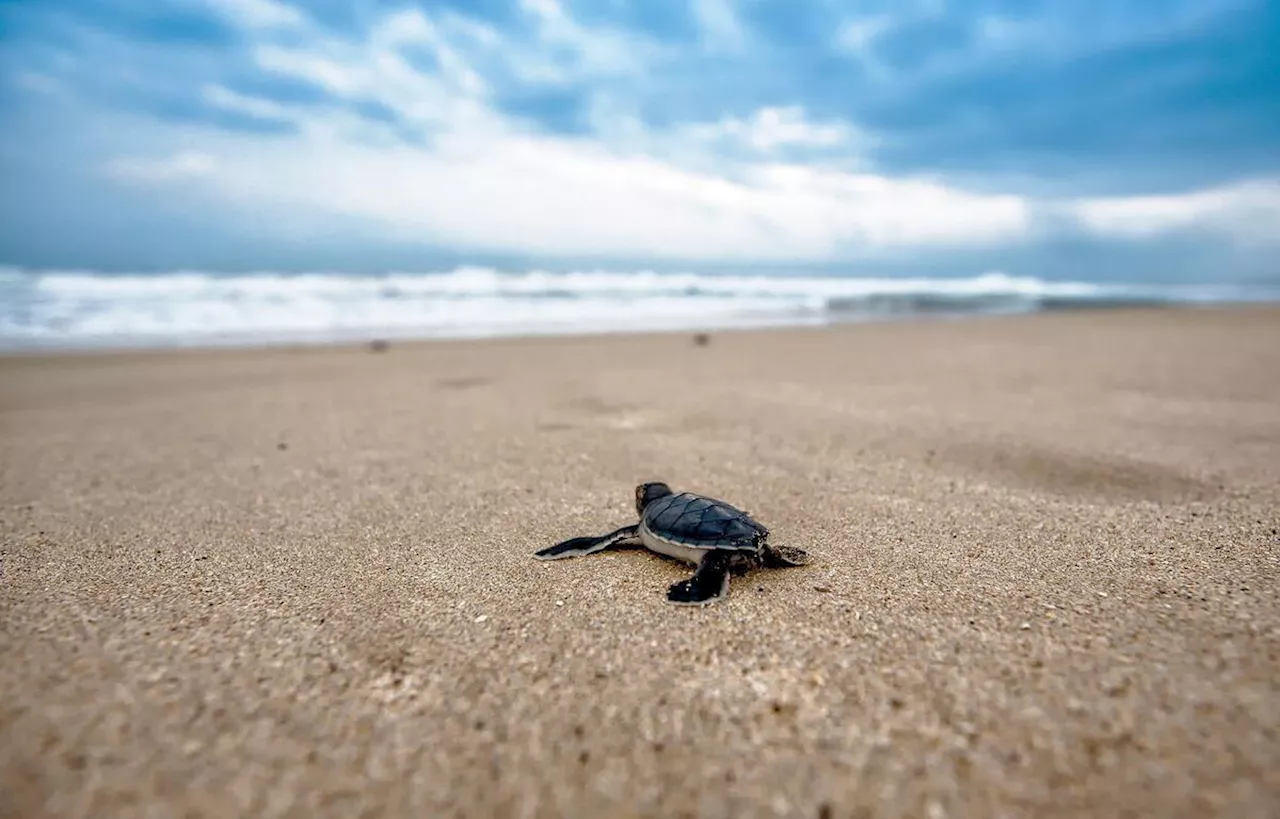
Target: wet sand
(299, 582)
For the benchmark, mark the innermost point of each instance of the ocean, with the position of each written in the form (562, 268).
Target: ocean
(79, 309)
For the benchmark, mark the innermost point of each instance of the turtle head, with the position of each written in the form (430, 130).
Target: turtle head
(647, 493)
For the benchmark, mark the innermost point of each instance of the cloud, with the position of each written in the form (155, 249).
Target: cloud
(857, 34)
(178, 167)
(1072, 96)
(264, 14)
(720, 25)
(770, 128)
(484, 181)
(547, 196)
(228, 100)
(37, 82)
(719, 130)
(334, 77)
(1248, 213)
(567, 51)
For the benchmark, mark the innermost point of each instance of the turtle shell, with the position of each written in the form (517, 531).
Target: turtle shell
(702, 523)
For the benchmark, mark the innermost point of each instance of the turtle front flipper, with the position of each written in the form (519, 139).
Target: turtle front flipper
(708, 584)
(579, 546)
(779, 557)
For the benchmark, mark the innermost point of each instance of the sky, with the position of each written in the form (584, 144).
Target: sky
(1059, 138)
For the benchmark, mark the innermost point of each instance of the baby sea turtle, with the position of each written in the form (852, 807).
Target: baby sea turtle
(717, 538)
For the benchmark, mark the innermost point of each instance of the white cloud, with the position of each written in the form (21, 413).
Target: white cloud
(587, 52)
(770, 128)
(481, 180)
(1067, 30)
(720, 24)
(335, 77)
(176, 167)
(37, 82)
(547, 10)
(382, 74)
(228, 100)
(1247, 212)
(262, 14)
(858, 34)
(551, 196)
(412, 27)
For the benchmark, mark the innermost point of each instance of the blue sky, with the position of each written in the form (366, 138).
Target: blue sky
(1065, 138)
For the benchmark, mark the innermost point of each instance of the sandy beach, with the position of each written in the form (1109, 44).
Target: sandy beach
(298, 582)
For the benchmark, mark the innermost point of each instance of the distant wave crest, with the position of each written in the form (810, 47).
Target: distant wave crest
(90, 308)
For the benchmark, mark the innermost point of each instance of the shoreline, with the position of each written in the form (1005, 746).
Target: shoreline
(363, 340)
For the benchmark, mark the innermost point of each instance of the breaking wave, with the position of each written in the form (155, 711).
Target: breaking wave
(63, 308)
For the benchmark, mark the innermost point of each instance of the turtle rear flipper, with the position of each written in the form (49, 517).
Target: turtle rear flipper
(708, 584)
(780, 557)
(579, 546)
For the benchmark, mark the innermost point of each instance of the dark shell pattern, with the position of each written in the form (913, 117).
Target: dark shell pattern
(703, 523)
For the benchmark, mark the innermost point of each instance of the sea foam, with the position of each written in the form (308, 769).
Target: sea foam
(78, 308)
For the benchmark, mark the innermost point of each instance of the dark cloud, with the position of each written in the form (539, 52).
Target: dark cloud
(1081, 99)
(1195, 108)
